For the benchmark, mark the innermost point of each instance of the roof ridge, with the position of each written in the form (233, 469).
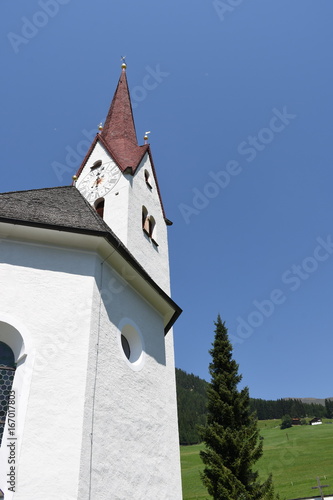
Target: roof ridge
(36, 189)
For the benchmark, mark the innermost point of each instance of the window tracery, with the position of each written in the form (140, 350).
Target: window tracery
(7, 372)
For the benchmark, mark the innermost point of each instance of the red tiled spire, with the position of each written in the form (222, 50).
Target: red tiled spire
(119, 123)
(118, 133)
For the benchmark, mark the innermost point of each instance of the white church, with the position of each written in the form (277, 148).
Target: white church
(87, 376)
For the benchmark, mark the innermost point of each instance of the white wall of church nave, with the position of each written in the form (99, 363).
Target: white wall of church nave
(155, 259)
(135, 446)
(50, 293)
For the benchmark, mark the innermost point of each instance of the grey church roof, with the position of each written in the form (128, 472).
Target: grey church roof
(64, 208)
(60, 206)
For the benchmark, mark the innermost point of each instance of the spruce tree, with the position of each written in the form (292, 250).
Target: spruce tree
(328, 408)
(231, 436)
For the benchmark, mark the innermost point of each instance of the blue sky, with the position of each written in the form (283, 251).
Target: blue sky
(241, 134)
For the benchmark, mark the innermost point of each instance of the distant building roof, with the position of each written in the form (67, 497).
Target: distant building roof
(315, 420)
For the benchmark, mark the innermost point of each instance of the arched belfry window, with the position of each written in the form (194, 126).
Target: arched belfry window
(149, 225)
(147, 175)
(7, 372)
(145, 220)
(152, 225)
(152, 230)
(99, 207)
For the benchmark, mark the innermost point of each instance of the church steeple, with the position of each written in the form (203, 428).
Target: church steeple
(118, 133)
(118, 178)
(119, 123)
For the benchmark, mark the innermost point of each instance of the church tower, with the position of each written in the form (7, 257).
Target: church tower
(87, 376)
(118, 178)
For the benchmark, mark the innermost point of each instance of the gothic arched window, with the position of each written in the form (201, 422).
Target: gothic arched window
(7, 372)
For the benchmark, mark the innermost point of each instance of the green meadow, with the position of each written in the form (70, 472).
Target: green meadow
(295, 457)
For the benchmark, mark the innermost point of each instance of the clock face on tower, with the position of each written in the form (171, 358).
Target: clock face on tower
(99, 181)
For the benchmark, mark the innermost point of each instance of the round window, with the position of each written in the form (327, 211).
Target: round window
(125, 346)
(132, 346)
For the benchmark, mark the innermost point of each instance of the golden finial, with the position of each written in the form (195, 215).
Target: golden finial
(146, 137)
(124, 65)
(100, 127)
(74, 179)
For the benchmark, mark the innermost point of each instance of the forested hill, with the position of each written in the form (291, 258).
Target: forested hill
(192, 399)
(267, 410)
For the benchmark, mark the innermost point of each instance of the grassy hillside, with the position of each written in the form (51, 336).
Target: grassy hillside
(295, 456)
(192, 403)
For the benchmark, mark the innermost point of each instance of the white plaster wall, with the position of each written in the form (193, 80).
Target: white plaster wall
(123, 214)
(50, 293)
(116, 208)
(98, 153)
(91, 423)
(154, 259)
(86, 466)
(135, 450)
(116, 200)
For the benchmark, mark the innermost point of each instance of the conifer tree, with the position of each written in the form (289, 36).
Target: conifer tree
(329, 408)
(231, 436)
